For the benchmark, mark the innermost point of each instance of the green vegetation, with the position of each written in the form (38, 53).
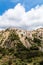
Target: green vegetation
(37, 41)
(13, 36)
(14, 52)
(20, 56)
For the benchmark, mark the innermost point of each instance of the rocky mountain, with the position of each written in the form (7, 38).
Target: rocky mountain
(28, 38)
(21, 47)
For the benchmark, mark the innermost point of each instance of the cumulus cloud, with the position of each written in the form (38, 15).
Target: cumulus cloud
(18, 17)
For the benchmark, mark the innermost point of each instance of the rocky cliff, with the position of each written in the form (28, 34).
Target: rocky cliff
(21, 47)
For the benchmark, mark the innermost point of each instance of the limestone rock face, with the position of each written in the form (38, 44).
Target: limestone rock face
(28, 38)
(21, 47)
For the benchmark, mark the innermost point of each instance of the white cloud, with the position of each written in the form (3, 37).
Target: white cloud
(17, 17)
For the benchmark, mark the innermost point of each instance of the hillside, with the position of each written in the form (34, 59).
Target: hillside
(21, 47)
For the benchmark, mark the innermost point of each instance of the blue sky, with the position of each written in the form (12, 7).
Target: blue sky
(28, 4)
(25, 14)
